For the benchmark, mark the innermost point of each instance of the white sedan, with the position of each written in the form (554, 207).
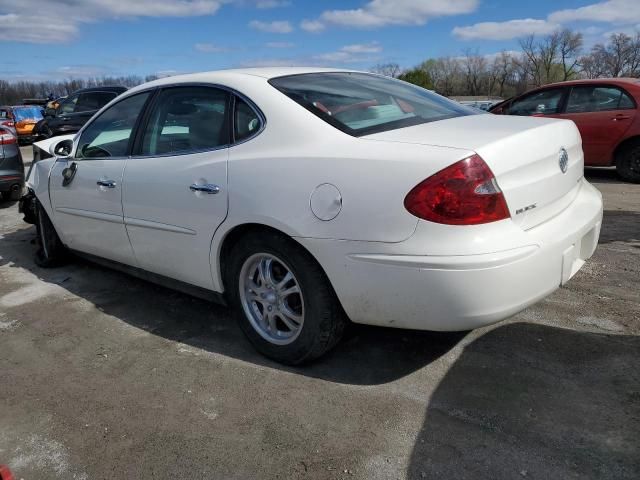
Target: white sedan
(306, 197)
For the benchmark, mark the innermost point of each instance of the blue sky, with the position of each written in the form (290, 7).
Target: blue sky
(78, 38)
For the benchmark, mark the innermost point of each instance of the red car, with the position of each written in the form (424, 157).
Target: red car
(604, 110)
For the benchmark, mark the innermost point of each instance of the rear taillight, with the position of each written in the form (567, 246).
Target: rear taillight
(465, 193)
(8, 123)
(7, 138)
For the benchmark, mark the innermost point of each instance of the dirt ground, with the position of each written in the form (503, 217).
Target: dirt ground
(103, 376)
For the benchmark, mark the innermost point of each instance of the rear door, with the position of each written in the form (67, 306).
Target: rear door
(88, 208)
(175, 184)
(603, 114)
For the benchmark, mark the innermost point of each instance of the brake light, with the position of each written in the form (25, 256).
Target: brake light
(8, 123)
(7, 138)
(465, 193)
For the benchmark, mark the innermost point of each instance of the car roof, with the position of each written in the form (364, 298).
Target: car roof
(596, 81)
(229, 74)
(110, 88)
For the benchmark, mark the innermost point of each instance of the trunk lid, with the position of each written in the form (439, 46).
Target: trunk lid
(524, 154)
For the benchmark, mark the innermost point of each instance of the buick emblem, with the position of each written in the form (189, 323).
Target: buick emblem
(563, 160)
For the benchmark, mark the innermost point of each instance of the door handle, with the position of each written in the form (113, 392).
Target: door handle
(208, 188)
(620, 117)
(106, 183)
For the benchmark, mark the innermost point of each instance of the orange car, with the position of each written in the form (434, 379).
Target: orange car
(24, 118)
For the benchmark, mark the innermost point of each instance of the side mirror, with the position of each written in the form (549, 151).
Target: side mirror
(62, 148)
(50, 112)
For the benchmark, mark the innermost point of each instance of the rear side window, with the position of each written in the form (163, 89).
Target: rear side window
(90, 101)
(246, 121)
(187, 119)
(27, 113)
(597, 99)
(361, 104)
(541, 103)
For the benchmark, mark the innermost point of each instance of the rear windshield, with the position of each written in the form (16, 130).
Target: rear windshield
(361, 104)
(27, 113)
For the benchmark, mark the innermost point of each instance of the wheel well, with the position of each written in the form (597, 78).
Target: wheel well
(624, 144)
(238, 232)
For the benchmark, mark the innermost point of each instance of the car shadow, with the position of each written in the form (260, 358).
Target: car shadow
(556, 404)
(602, 175)
(620, 226)
(366, 356)
(4, 204)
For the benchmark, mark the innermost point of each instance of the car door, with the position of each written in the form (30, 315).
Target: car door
(86, 189)
(603, 114)
(175, 184)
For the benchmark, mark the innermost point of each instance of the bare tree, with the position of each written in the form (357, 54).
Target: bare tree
(388, 69)
(569, 47)
(475, 67)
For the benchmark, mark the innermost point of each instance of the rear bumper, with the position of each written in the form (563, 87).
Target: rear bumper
(391, 287)
(10, 179)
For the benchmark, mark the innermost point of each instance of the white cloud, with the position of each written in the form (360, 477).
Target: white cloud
(373, 47)
(278, 26)
(263, 4)
(621, 12)
(208, 48)
(380, 13)
(26, 28)
(313, 26)
(505, 30)
(357, 53)
(279, 45)
(46, 21)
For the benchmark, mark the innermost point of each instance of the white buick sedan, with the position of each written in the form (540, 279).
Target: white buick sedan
(306, 197)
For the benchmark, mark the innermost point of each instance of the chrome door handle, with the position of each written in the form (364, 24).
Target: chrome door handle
(106, 183)
(209, 188)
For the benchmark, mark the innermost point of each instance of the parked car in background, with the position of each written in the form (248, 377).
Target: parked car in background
(11, 166)
(604, 110)
(75, 110)
(24, 119)
(309, 196)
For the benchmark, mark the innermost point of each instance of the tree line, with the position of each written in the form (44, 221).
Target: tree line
(557, 57)
(15, 93)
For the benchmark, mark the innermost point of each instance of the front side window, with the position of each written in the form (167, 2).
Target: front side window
(361, 104)
(597, 99)
(109, 134)
(187, 119)
(91, 101)
(246, 121)
(542, 103)
(68, 105)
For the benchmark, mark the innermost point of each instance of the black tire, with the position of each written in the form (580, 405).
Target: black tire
(628, 163)
(52, 252)
(324, 318)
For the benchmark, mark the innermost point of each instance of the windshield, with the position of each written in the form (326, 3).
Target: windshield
(361, 104)
(27, 113)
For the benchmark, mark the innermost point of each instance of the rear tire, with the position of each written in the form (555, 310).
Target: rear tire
(628, 163)
(52, 253)
(298, 327)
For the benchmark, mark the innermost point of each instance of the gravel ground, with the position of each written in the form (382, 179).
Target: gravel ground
(103, 376)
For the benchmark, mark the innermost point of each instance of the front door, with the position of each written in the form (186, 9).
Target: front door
(86, 189)
(602, 114)
(175, 184)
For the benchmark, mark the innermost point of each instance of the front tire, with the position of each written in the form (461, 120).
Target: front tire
(628, 163)
(282, 299)
(52, 253)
